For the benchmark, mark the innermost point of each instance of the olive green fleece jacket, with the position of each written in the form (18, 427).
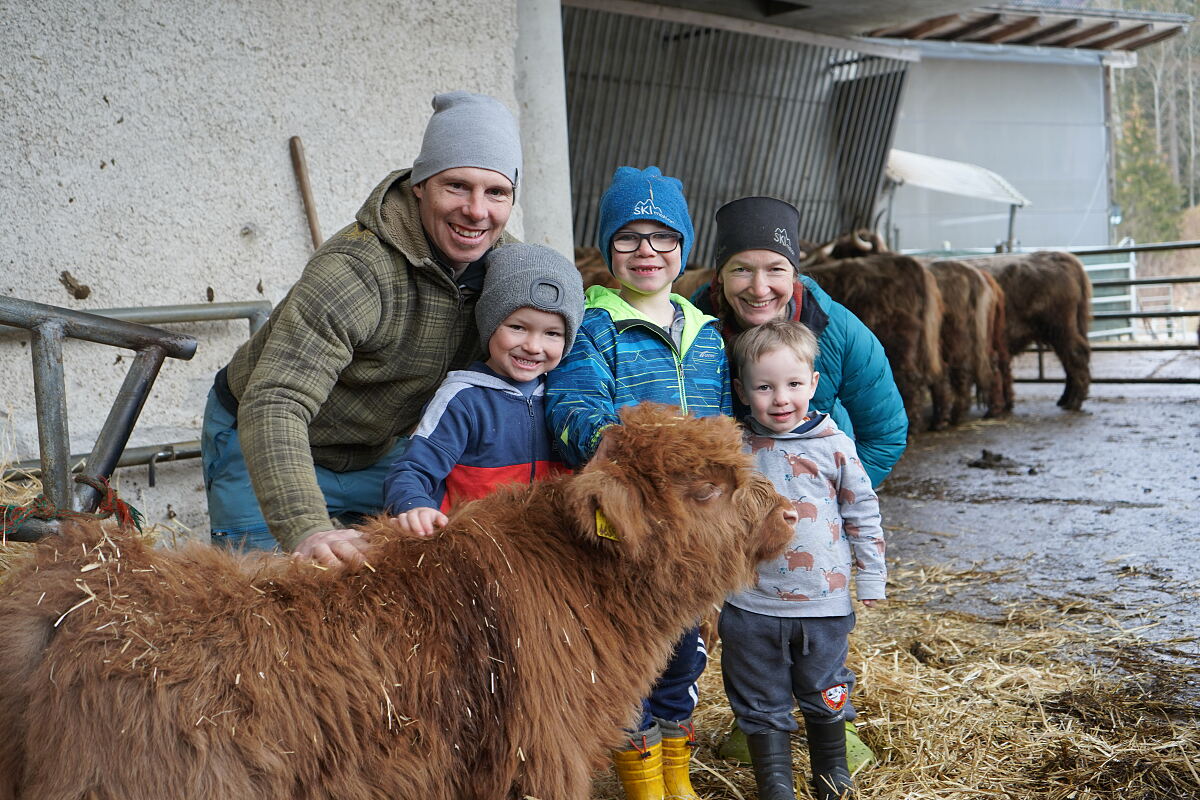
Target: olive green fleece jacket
(348, 359)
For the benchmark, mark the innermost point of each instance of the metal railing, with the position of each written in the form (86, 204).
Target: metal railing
(1133, 314)
(48, 327)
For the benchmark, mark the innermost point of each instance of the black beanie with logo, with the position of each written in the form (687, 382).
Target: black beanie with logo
(758, 223)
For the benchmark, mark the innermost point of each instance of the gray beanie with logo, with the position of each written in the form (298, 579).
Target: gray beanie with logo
(469, 130)
(529, 276)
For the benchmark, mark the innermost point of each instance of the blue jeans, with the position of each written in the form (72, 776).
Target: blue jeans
(674, 695)
(233, 511)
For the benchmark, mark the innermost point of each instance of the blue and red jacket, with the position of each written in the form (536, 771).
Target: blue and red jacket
(480, 431)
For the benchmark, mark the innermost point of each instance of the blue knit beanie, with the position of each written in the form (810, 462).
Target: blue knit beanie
(637, 194)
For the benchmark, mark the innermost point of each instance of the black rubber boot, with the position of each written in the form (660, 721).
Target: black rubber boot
(771, 756)
(827, 752)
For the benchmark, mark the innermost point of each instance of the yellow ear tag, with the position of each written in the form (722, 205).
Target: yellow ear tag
(604, 528)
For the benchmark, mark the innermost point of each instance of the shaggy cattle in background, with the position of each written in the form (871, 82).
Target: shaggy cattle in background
(899, 301)
(593, 268)
(999, 398)
(1048, 299)
(973, 352)
(498, 659)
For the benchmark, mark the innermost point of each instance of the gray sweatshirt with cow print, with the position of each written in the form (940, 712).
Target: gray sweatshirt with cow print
(838, 534)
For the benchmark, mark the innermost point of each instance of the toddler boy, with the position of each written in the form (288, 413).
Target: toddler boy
(785, 640)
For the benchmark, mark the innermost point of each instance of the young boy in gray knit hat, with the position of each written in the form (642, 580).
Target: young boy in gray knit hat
(485, 426)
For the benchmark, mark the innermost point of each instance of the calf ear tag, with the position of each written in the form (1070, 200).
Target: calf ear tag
(604, 528)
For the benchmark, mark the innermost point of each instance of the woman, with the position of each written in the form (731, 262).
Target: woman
(757, 280)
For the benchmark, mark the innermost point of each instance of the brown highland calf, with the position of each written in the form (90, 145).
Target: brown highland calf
(496, 660)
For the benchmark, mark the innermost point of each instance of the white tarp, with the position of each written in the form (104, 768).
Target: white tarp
(953, 177)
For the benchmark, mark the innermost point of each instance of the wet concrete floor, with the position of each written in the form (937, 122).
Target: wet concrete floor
(1100, 506)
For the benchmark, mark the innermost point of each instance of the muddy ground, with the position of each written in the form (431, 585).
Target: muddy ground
(1101, 507)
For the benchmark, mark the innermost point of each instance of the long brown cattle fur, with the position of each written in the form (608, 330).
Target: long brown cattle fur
(898, 300)
(973, 366)
(1048, 299)
(999, 398)
(497, 659)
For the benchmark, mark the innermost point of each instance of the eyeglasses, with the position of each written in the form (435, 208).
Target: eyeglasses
(660, 241)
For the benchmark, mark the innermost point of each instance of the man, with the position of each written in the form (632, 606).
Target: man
(310, 411)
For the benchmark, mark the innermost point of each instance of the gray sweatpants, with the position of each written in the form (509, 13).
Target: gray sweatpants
(767, 661)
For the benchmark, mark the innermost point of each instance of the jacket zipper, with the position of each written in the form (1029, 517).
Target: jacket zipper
(676, 356)
(532, 454)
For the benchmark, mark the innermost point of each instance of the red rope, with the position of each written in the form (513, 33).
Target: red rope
(644, 750)
(41, 507)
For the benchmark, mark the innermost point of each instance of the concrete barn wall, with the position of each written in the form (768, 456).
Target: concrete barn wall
(145, 151)
(1039, 125)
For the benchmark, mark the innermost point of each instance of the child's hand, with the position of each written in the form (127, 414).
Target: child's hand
(421, 521)
(870, 603)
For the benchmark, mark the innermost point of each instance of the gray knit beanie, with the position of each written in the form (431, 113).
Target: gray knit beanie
(529, 275)
(469, 130)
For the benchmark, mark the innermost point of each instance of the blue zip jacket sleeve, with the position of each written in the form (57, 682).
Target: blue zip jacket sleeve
(621, 358)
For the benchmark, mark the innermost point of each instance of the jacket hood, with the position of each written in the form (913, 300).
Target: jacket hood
(479, 375)
(393, 214)
(610, 301)
(826, 427)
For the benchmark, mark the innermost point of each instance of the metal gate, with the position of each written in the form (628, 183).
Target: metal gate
(729, 113)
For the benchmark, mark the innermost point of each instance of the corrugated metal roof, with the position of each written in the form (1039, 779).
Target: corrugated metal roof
(1044, 24)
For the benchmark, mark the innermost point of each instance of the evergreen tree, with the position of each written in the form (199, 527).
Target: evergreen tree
(1146, 190)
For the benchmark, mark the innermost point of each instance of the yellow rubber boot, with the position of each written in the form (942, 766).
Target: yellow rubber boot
(640, 768)
(676, 759)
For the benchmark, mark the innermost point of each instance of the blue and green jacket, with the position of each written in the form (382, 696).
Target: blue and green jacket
(620, 358)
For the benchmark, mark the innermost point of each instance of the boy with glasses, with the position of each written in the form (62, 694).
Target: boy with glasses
(637, 343)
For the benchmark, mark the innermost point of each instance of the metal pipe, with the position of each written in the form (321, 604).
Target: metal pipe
(118, 426)
(256, 311)
(1146, 281)
(95, 328)
(1140, 314)
(49, 391)
(1133, 348)
(1134, 248)
(1111, 380)
(130, 457)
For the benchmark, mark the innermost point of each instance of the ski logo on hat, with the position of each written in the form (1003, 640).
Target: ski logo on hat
(835, 696)
(647, 208)
(782, 238)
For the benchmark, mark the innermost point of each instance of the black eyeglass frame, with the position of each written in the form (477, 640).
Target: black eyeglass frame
(675, 236)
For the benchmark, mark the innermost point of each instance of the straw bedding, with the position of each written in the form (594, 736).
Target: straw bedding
(1055, 700)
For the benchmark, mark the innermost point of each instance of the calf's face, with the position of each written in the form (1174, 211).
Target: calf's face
(679, 492)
